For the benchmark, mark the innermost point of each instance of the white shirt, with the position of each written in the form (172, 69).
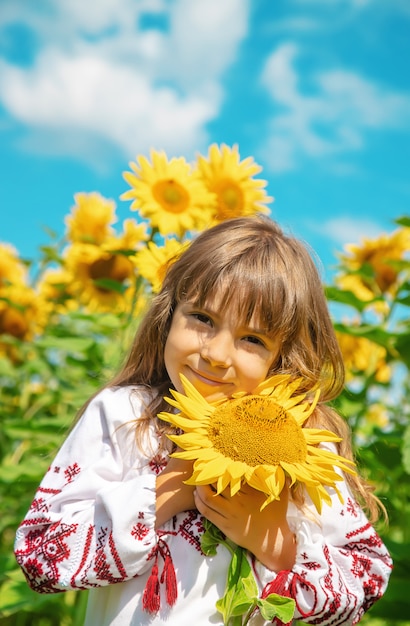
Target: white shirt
(92, 526)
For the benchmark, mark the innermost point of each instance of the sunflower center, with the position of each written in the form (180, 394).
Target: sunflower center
(115, 267)
(257, 431)
(13, 322)
(172, 196)
(230, 198)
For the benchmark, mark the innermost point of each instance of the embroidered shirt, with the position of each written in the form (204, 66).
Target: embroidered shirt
(92, 526)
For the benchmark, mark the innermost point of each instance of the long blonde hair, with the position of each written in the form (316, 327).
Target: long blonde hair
(271, 274)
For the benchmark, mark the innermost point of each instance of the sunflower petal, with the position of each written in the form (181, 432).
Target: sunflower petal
(188, 441)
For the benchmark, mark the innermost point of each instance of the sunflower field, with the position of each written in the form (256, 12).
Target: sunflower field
(67, 318)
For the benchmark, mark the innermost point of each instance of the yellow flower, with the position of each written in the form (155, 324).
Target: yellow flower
(153, 261)
(12, 270)
(378, 253)
(377, 414)
(232, 181)
(362, 356)
(355, 284)
(258, 439)
(90, 264)
(168, 194)
(91, 218)
(132, 237)
(22, 312)
(55, 288)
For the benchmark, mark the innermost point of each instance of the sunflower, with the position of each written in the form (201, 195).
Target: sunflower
(91, 218)
(168, 194)
(258, 439)
(237, 192)
(153, 261)
(133, 237)
(12, 269)
(101, 278)
(55, 288)
(379, 254)
(362, 356)
(22, 312)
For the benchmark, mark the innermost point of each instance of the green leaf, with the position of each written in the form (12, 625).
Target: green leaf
(211, 538)
(403, 347)
(250, 586)
(373, 333)
(123, 252)
(345, 297)
(71, 344)
(403, 221)
(406, 449)
(277, 606)
(111, 285)
(50, 253)
(241, 588)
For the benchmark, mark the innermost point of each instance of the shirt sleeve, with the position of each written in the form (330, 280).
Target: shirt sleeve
(342, 566)
(92, 521)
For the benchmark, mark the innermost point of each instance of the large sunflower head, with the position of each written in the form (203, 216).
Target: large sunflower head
(232, 181)
(258, 439)
(168, 194)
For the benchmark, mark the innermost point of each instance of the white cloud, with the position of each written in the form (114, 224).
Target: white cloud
(343, 229)
(335, 116)
(204, 38)
(107, 99)
(98, 73)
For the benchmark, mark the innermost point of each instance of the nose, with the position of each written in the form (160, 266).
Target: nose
(218, 349)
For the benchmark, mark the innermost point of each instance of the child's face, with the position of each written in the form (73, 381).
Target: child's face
(217, 354)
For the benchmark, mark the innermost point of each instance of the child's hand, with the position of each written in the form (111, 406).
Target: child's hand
(264, 533)
(173, 496)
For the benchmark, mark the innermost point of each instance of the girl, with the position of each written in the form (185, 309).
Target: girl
(113, 514)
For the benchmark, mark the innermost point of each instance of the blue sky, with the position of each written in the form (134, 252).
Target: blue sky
(318, 91)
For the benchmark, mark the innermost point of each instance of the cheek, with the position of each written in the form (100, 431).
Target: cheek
(169, 353)
(257, 370)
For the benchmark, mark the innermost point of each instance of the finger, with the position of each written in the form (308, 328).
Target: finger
(208, 503)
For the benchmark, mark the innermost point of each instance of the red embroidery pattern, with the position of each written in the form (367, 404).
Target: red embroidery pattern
(352, 507)
(84, 558)
(43, 552)
(71, 472)
(102, 567)
(158, 463)
(139, 531)
(340, 604)
(191, 529)
(39, 505)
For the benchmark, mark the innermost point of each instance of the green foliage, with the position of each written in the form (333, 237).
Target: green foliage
(41, 391)
(383, 449)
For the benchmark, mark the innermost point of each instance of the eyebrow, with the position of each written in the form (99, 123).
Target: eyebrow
(209, 311)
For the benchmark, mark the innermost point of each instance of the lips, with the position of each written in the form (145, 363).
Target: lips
(208, 379)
